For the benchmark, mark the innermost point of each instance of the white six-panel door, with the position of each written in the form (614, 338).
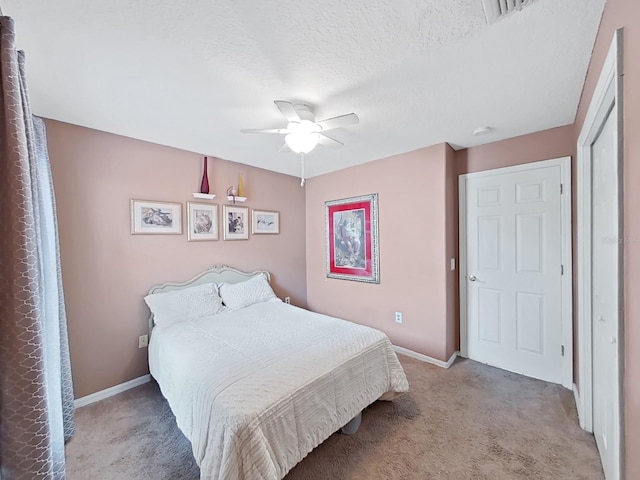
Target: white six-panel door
(600, 283)
(513, 280)
(604, 284)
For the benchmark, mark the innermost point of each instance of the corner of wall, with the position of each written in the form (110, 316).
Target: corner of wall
(451, 250)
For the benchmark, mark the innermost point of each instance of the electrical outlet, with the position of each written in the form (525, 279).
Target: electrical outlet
(143, 341)
(398, 317)
(287, 300)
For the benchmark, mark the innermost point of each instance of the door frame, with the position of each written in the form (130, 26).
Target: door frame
(607, 99)
(566, 281)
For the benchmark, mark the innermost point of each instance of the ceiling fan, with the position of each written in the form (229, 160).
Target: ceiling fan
(303, 133)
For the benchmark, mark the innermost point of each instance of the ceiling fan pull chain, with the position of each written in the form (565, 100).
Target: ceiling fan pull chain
(302, 169)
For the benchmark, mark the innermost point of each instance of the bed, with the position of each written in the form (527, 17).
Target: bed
(255, 384)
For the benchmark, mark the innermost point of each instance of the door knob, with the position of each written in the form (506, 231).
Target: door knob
(613, 339)
(472, 278)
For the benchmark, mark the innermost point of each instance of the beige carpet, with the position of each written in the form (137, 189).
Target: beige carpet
(468, 422)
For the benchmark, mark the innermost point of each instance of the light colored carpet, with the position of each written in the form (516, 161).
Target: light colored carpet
(467, 422)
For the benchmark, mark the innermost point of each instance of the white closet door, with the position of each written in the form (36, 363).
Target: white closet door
(604, 285)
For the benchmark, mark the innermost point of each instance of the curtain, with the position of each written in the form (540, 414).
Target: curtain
(36, 393)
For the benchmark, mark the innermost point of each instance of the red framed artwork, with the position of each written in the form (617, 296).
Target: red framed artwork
(352, 238)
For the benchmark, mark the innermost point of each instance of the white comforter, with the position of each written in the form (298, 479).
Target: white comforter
(257, 389)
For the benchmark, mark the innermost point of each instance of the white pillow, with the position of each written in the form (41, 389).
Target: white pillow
(243, 294)
(178, 305)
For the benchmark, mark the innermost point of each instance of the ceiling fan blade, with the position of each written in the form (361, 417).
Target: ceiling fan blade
(284, 148)
(282, 131)
(287, 110)
(326, 141)
(337, 122)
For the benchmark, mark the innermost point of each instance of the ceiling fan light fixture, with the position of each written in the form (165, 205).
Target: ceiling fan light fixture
(302, 141)
(303, 133)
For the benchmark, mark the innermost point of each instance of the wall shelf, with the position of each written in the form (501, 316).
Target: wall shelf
(204, 196)
(233, 199)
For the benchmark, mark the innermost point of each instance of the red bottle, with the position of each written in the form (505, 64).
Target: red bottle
(204, 186)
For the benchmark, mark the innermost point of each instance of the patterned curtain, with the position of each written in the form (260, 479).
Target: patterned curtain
(36, 394)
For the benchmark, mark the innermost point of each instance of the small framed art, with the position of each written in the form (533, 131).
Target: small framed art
(265, 221)
(352, 238)
(202, 221)
(158, 218)
(236, 222)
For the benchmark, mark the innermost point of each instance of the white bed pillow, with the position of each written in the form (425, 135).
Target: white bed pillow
(178, 305)
(243, 294)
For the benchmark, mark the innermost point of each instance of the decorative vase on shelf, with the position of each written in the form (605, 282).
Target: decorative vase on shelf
(241, 185)
(204, 185)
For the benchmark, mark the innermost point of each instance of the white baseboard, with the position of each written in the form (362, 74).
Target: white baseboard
(426, 358)
(111, 391)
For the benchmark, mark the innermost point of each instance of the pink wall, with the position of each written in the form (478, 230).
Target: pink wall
(413, 265)
(552, 143)
(625, 13)
(107, 271)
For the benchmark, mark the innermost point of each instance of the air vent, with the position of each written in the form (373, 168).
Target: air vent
(496, 9)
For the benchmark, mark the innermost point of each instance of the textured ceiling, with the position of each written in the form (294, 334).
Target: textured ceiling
(191, 74)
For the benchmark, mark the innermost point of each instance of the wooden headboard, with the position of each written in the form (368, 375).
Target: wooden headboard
(216, 274)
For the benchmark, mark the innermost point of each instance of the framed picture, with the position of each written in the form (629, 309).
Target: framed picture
(159, 218)
(352, 239)
(235, 222)
(265, 221)
(202, 221)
